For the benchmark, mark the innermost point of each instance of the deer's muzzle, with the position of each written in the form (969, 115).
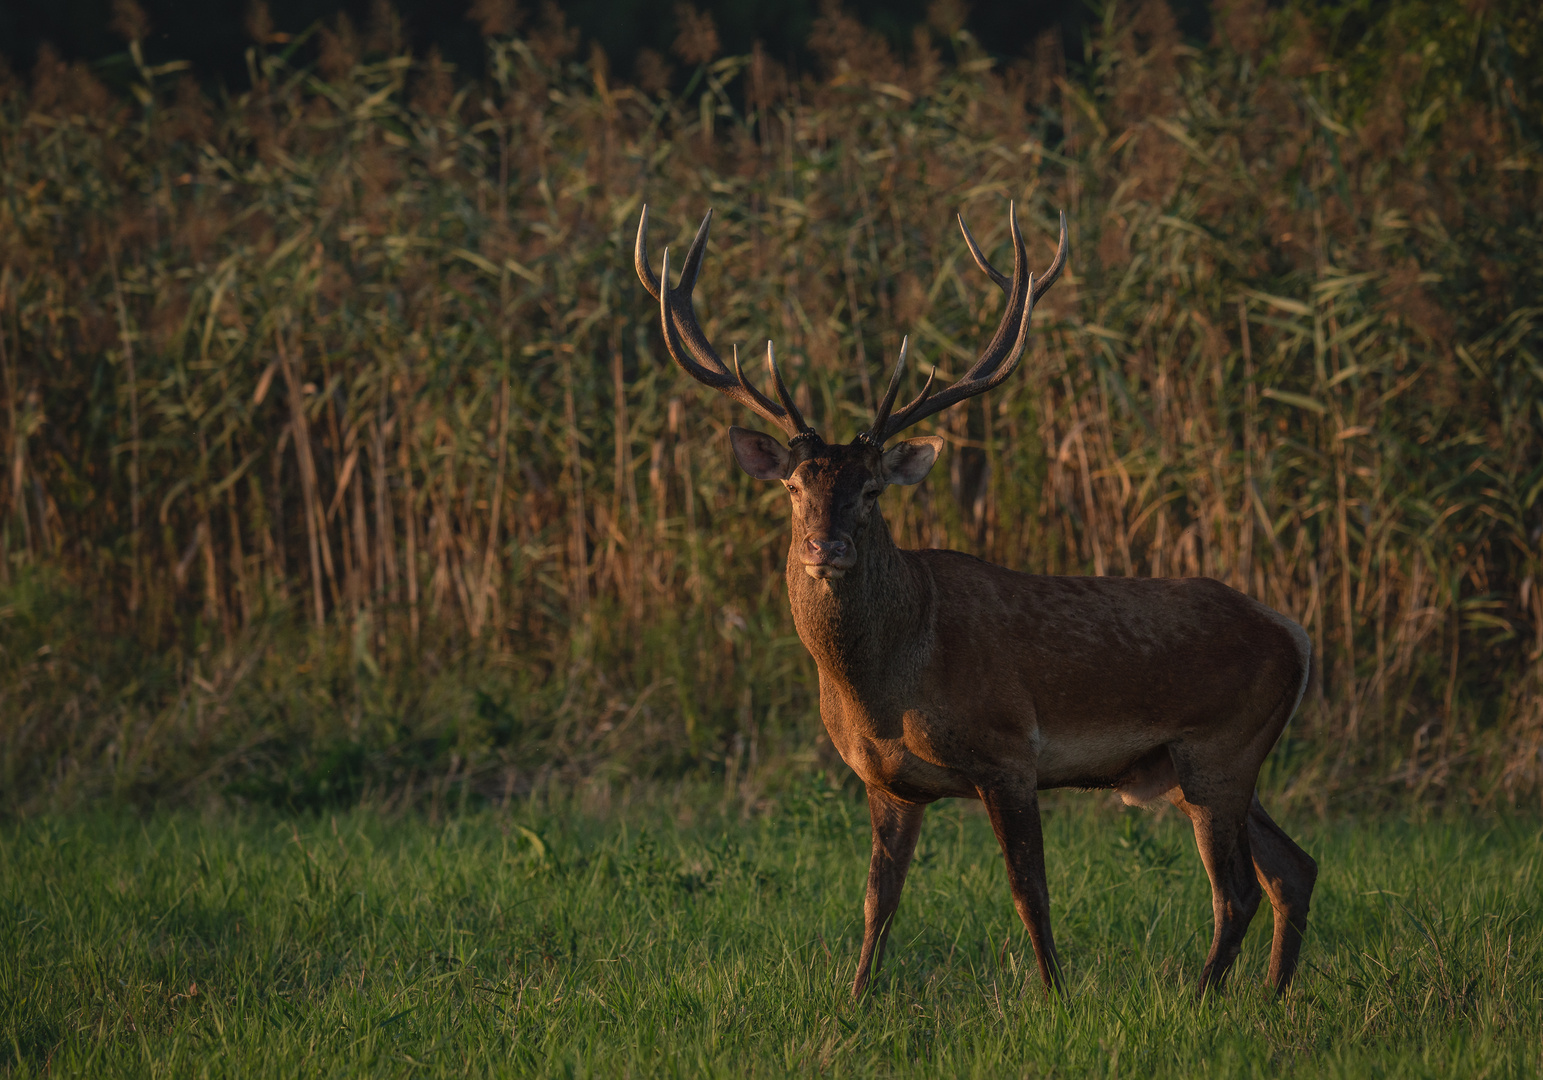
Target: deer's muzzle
(827, 559)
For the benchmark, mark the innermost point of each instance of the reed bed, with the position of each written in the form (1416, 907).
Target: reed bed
(343, 458)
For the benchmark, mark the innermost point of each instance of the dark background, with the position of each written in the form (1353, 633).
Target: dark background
(212, 34)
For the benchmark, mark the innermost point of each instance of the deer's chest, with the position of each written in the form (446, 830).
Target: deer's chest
(896, 753)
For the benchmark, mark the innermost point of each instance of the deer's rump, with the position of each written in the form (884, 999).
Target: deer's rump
(1107, 681)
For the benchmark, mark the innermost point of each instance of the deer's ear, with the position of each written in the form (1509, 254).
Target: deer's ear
(762, 456)
(910, 461)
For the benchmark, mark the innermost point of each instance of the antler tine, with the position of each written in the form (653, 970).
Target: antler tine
(782, 392)
(1017, 296)
(880, 418)
(1041, 284)
(689, 347)
(1001, 279)
(909, 414)
(681, 300)
(763, 404)
(794, 423)
(691, 266)
(1048, 278)
(640, 257)
(695, 341)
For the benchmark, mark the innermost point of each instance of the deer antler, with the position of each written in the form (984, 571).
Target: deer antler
(690, 348)
(1000, 357)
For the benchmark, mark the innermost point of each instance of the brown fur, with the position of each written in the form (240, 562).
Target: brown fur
(944, 676)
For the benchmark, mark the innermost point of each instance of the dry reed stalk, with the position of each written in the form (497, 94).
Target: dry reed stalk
(410, 520)
(299, 430)
(133, 379)
(578, 537)
(388, 583)
(8, 378)
(486, 590)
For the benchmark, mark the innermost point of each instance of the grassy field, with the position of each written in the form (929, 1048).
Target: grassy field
(651, 939)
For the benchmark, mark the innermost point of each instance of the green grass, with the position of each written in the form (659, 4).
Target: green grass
(662, 940)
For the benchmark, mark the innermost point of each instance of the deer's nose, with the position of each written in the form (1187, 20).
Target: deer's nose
(837, 553)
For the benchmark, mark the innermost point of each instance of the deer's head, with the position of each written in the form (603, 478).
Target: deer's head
(835, 488)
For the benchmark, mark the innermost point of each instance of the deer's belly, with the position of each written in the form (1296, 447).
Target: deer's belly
(1093, 759)
(930, 760)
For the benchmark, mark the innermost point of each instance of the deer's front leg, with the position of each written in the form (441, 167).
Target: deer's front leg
(896, 825)
(1014, 811)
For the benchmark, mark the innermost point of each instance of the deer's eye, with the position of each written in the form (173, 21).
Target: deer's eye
(793, 489)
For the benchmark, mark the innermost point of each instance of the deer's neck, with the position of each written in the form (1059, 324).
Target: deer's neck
(870, 629)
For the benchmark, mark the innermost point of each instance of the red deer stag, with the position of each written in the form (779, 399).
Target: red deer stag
(944, 676)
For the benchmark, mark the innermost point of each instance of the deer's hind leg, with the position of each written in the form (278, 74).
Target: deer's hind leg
(1222, 835)
(1287, 874)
